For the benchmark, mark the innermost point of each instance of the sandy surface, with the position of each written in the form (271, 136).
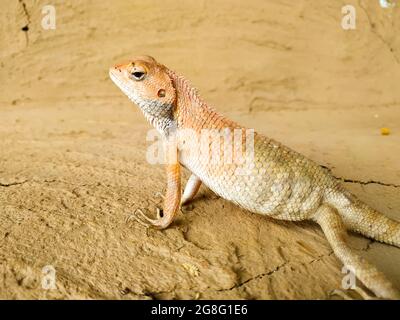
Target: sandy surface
(72, 147)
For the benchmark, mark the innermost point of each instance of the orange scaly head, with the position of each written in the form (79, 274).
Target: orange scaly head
(147, 84)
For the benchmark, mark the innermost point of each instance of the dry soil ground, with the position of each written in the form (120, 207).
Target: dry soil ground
(72, 147)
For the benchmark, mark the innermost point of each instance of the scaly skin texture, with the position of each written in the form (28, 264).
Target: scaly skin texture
(277, 182)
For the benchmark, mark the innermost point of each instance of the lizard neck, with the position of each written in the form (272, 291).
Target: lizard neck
(189, 104)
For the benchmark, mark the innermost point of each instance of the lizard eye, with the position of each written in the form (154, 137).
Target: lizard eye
(137, 72)
(138, 75)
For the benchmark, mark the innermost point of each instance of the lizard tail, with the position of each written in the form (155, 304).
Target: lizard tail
(360, 218)
(335, 231)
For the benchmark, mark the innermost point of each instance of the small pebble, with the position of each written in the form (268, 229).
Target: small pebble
(385, 131)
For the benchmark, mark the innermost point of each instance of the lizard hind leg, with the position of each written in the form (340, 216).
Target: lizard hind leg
(361, 218)
(334, 229)
(345, 296)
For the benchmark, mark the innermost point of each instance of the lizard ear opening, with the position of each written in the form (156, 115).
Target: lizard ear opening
(161, 93)
(168, 92)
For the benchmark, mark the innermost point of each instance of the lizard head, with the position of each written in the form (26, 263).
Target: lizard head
(148, 85)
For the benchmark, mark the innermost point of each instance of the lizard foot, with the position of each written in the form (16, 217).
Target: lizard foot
(143, 219)
(364, 295)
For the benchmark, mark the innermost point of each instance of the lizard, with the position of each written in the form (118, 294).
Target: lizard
(280, 183)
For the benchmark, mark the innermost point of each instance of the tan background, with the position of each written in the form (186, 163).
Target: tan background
(72, 147)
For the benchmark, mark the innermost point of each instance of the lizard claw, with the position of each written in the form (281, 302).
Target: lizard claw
(138, 217)
(143, 219)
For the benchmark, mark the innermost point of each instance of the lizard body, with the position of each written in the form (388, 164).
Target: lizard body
(278, 182)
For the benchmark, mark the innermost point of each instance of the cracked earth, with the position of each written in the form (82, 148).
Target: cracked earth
(73, 149)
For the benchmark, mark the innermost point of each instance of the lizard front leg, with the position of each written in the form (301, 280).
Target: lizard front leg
(173, 194)
(192, 186)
